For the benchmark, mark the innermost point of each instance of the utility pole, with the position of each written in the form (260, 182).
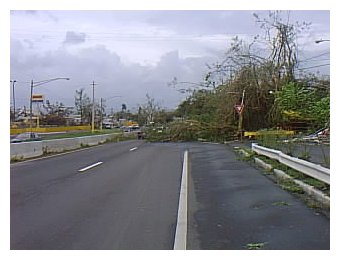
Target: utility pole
(92, 125)
(101, 114)
(31, 105)
(13, 82)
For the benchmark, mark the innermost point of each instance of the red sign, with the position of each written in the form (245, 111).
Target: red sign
(239, 108)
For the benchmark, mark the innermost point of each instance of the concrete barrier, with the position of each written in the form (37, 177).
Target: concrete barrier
(60, 145)
(94, 139)
(27, 150)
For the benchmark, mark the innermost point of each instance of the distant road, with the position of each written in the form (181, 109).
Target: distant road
(125, 196)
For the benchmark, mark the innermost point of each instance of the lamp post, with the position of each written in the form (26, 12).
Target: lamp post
(321, 40)
(13, 82)
(35, 84)
(101, 109)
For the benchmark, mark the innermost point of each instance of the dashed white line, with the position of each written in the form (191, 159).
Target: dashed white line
(134, 148)
(90, 166)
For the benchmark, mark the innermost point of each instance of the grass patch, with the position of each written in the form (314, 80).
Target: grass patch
(290, 185)
(255, 246)
(17, 159)
(281, 203)
(324, 187)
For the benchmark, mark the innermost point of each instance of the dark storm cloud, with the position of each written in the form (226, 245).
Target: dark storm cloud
(74, 38)
(130, 81)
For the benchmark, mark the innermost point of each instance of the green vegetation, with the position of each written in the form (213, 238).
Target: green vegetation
(281, 203)
(255, 246)
(296, 175)
(303, 102)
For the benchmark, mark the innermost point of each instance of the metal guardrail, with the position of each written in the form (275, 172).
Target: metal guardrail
(313, 170)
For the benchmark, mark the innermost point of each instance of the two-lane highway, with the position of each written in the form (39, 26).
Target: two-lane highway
(126, 196)
(127, 201)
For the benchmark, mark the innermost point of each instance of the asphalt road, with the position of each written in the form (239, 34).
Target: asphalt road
(129, 200)
(233, 206)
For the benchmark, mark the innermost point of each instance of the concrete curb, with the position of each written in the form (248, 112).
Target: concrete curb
(262, 164)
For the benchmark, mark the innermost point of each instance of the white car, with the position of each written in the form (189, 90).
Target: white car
(26, 137)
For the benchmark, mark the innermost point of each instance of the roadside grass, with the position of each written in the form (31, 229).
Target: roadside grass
(288, 184)
(325, 188)
(281, 203)
(255, 246)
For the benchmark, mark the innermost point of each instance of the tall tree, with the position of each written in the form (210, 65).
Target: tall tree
(83, 105)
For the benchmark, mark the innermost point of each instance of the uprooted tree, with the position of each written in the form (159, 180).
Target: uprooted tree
(265, 70)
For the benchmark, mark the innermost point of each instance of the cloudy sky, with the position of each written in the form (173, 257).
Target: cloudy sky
(132, 53)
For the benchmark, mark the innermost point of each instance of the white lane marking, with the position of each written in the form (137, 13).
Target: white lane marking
(90, 166)
(182, 215)
(134, 148)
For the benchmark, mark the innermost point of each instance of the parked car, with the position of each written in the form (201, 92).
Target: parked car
(26, 137)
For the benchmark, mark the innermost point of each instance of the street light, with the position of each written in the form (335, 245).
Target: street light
(35, 84)
(321, 40)
(101, 109)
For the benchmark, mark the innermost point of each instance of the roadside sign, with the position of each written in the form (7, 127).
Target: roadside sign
(239, 108)
(37, 98)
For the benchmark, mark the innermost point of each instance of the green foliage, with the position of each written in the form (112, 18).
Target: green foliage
(297, 101)
(321, 110)
(255, 246)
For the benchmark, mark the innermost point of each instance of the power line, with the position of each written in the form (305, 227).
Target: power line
(317, 66)
(313, 57)
(315, 60)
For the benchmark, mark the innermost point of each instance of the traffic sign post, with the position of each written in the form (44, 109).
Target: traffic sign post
(239, 108)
